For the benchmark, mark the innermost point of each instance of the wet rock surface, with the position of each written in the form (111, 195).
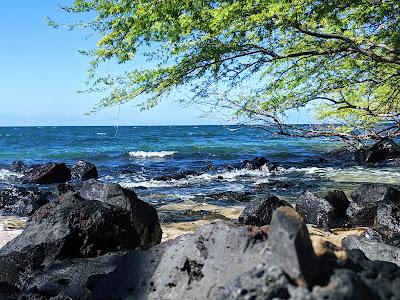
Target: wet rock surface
(259, 211)
(227, 196)
(258, 163)
(177, 176)
(20, 201)
(84, 170)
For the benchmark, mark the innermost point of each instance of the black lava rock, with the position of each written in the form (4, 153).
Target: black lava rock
(339, 201)
(194, 266)
(387, 223)
(143, 216)
(84, 170)
(290, 245)
(316, 210)
(259, 212)
(378, 152)
(20, 201)
(47, 173)
(258, 163)
(366, 199)
(72, 227)
(177, 176)
(372, 249)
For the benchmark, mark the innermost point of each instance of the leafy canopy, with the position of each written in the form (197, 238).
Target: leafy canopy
(340, 56)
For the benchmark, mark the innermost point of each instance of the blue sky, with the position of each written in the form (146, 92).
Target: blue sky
(41, 72)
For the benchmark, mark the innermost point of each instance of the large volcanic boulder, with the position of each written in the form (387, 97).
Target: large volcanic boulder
(327, 212)
(143, 216)
(20, 201)
(387, 223)
(259, 212)
(366, 199)
(290, 246)
(380, 151)
(84, 170)
(47, 173)
(190, 267)
(72, 227)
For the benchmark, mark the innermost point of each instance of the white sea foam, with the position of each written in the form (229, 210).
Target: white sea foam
(351, 174)
(228, 176)
(101, 133)
(151, 153)
(6, 175)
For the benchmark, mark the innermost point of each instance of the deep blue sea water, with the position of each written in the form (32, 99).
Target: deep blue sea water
(133, 156)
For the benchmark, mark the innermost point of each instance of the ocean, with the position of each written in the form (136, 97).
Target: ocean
(135, 156)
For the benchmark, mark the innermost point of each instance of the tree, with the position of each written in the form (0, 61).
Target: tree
(340, 57)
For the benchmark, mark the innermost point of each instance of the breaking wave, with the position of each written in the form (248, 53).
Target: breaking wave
(151, 153)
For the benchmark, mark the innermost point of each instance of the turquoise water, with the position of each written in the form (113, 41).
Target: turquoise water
(133, 156)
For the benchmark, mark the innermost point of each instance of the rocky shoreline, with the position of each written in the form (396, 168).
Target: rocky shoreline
(86, 239)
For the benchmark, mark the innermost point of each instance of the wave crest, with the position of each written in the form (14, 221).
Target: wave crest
(151, 153)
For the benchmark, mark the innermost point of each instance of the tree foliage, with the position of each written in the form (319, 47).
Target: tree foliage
(342, 57)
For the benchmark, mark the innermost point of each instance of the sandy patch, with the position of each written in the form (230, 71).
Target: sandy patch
(232, 212)
(10, 227)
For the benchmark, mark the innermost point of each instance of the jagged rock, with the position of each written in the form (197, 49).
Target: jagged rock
(290, 245)
(316, 210)
(177, 176)
(343, 284)
(263, 282)
(275, 185)
(64, 188)
(20, 201)
(84, 170)
(366, 199)
(381, 277)
(258, 163)
(270, 282)
(47, 173)
(339, 201)
(259, 212)
(372, 249)
(375, 192)
(195, 266)
(19, 166)
(387, 223)
(143, 216)
(378, 152)
(72, 227)
(227, 196)
(371, 234)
